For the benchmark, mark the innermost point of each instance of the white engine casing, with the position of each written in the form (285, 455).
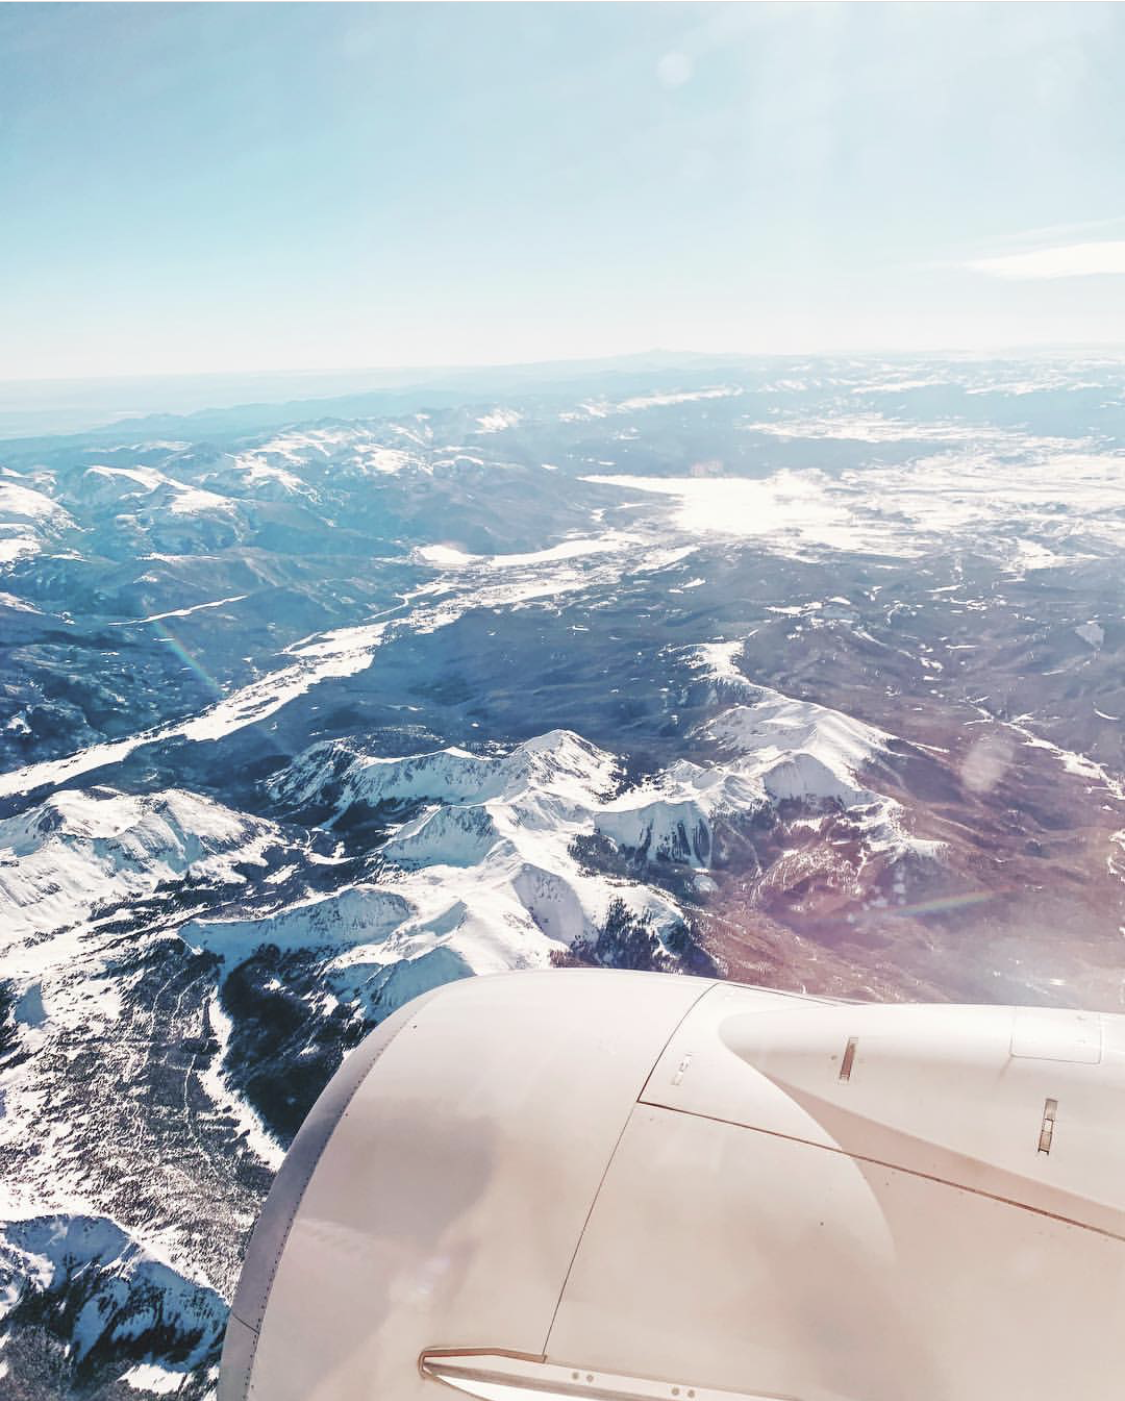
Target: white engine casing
(586, 1183)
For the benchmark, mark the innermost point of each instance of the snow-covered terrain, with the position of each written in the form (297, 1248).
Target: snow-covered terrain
(803, 672)
(1001, 501)
(81, 850)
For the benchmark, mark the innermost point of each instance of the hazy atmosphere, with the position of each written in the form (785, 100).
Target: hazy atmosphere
(200, 188)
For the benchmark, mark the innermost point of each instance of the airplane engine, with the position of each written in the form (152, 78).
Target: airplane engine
(642, 1187)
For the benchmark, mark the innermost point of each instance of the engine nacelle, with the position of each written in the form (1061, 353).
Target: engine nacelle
(642, 1187)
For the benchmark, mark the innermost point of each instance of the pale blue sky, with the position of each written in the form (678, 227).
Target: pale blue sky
(237, 187)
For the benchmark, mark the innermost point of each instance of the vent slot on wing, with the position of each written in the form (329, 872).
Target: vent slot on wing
(849, 1058)
(1047, 1130)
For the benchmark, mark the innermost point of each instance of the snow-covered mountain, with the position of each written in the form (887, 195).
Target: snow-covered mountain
(801, 672)
(477, 861)
(84, 851)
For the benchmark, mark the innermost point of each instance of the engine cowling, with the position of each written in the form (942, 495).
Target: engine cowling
(613, 1185)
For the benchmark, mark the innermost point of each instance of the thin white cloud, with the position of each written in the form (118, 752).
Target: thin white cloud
(1101, 259)
(1054, 233)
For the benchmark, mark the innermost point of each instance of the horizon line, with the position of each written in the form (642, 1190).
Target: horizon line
(996, 352)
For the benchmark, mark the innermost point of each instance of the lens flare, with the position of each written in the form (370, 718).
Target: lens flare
(945, 903)
(166, 634)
